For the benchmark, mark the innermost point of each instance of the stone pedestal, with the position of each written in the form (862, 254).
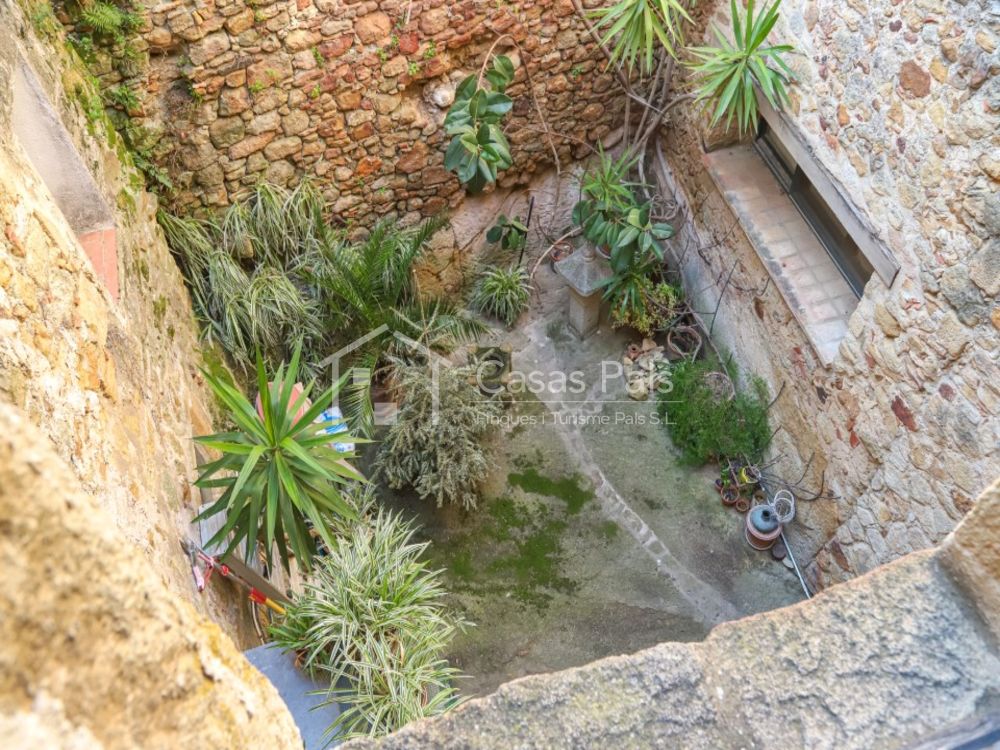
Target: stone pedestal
(585, 274)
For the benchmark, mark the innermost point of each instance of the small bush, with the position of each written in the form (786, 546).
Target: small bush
(652, 309)
(372, 621)
(706, 426)
(439, 452)
(502, 293)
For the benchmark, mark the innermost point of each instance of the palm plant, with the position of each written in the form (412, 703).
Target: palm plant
(727, 75)
(279, 472)
(372, 284)
(372, 621)
(640, 27)
(271, 273)
(502, 293)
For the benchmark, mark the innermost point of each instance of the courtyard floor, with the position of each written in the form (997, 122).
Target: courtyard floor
(591, 538)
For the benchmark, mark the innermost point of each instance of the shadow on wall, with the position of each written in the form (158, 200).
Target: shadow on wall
(53, 155)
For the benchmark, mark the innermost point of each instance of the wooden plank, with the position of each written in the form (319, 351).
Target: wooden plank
(209, 527)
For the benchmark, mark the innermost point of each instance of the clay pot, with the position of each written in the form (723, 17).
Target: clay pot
(762, 527)
(632, 351)
(730, 496)
(742, 504)
(719, 486)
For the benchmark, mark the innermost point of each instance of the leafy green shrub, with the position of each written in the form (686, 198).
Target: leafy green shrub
(727, 74)
(706, 425)
(502, 293)
(435, 444)
(614, 220)
(510, 233)
(277, 472)
(478, 148)
(655, 306)
(372, 620)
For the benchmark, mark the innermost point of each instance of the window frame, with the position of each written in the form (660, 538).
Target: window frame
(794, 181)
(854, 223)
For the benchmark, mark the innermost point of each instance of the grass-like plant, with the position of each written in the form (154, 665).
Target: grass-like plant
(502, 293)
(436, 443)
(707, 425)
(638, 27)
(247, 271)
(372, 621)
(279, 472)
(726, 75)
(271, 272)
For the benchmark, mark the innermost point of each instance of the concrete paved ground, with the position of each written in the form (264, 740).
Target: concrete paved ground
(591, 539)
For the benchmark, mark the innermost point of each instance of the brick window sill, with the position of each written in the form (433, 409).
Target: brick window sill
(818, 296)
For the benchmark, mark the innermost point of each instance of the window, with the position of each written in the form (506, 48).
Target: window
(843, 250)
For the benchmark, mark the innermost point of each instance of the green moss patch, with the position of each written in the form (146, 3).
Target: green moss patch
(568, 489)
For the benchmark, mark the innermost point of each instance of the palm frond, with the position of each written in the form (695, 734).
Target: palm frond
(727, 75)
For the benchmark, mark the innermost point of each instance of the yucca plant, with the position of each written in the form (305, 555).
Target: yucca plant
(372, 620)
(727, 75)
(502, 293)
(638, 27)
(279, 473)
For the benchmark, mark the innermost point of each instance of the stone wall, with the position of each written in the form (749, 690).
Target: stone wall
(898, 101)
(94, 653)
(353, 94)
(114, 384)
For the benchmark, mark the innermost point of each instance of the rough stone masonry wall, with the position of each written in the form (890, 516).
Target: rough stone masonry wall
(353, 94)
(93, 653)
(899, 101)
(114, 385)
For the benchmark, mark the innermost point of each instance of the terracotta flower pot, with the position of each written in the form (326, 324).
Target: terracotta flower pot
(730, 496)
(742, 504)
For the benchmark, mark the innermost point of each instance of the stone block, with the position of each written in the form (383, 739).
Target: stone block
(972, 555)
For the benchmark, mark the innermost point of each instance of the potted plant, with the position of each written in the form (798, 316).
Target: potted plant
(622, 230)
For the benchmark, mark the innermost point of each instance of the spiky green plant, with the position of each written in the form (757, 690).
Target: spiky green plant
(502, 293)
(436, 443)
(727, 75)
(372, 621)
(279, 474)
(638, 27)
(249, 271)
(271, 272)
(372, 284)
